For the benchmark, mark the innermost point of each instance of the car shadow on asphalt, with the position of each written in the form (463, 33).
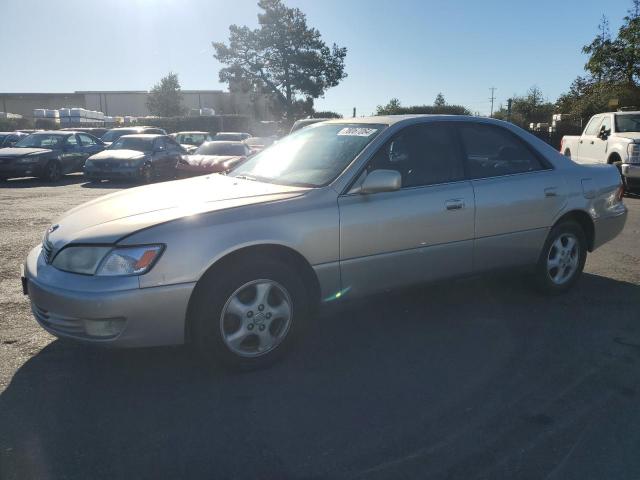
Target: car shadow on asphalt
(109, 185)
(33, 182)
(418, 359)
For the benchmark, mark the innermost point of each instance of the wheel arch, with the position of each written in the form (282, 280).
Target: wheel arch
(614, 157)
(279, 252)
(585, 221)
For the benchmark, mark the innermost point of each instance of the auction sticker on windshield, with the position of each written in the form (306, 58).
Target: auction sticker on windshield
(357, 131)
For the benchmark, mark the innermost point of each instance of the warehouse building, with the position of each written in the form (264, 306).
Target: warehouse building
(134, 102)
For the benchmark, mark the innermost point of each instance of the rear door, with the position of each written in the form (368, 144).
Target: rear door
(517, 196)
(424, 231)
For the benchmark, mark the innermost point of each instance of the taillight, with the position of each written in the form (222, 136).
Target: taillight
(561, 145)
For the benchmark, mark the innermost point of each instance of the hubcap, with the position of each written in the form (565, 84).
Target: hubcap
(256, 318)
(563, 258)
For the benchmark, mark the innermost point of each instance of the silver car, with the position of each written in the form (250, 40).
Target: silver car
(236, 263)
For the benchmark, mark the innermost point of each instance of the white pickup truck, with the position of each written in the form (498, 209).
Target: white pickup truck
(612, 138)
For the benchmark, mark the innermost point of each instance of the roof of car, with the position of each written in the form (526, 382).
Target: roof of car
(233, 133)
(392, 119)
(191, 132)
(136, 127)
(143, 135)
(53, 132)
(224, 142)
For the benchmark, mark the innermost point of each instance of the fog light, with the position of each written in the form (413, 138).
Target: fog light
(104, 328)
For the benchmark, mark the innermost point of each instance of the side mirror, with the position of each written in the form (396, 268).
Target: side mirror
(604, 133)
(381, 181)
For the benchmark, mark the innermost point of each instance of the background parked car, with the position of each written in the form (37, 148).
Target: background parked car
(115, 133)
(231, 136)
(305, 122)
(190, 141)
(95, 131)
(142, 157)
(257, 144)
(213, 157)
(48, 155)
(9, 139)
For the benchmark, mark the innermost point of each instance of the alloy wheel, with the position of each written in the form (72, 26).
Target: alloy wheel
(256, 318)
(563, 258)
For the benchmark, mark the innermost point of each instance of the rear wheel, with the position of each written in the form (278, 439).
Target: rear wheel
(562, 259)
(567, 153)
(249, 316)
(52, 171)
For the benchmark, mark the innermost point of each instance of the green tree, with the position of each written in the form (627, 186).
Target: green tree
(529, 108)
(325, 114)
(394, 107)
(439, 101)
(165, 99)
(284, 57)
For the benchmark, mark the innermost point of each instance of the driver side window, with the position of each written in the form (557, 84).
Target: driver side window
(426, 154)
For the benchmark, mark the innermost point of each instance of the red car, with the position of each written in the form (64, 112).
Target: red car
(213, 157)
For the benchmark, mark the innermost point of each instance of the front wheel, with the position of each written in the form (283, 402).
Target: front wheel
(52, 172)
(250, 315)
(562, 259)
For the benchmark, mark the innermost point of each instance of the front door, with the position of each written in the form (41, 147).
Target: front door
(424, 231)
(593, 148)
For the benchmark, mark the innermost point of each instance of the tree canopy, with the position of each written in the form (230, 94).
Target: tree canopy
(531, 107)
(612, 70)
(165, 99)
(283, 56)
(394, 107)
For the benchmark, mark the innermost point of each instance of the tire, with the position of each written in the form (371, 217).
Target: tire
(567, 153)
(52, 172)
(570, 262)
(146, 174)
(231, 326)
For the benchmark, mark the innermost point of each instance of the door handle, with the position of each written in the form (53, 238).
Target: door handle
(580, 141)
(550, 192)
(454, 204)
(592, 142)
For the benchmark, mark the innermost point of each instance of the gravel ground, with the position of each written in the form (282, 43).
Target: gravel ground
(472, 379)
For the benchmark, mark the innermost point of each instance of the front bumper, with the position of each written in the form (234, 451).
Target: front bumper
(123, 173)
(630, 170)
(14, 170)
(186, 170)
(109, 311)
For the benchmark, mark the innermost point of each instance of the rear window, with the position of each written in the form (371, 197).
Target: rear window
(113, 135)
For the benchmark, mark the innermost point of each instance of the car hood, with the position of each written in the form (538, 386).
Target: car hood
(117, 155)
(16, 152)
(205, 161)
(109, 218)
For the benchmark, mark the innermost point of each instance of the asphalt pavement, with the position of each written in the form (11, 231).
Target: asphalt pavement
(481, 378)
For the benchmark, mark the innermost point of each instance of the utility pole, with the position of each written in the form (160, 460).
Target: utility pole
(509, 104)
(354, 112)
(493, 97)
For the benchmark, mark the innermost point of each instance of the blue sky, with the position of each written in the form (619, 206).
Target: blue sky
(410, 49)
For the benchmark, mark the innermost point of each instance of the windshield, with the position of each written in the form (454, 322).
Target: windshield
(221, 148)
(113, 135)
(235, 137)
(191, 138)
(41, 140)
(311, 157)
(257, 141)
(628, 123)
(133, 143)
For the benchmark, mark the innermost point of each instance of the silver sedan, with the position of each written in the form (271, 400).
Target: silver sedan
(235, 264)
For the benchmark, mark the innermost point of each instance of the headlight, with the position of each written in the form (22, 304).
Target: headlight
(633, 150)
(130, 260)
(29, 159)
(108, 261)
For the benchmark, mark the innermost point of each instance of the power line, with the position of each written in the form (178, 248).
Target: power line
(492, 98)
